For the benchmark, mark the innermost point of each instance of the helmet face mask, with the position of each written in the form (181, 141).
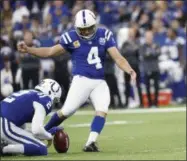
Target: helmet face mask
(85, 24)
(86, 33)
(51, 88)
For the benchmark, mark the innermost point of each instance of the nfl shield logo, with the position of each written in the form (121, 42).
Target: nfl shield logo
(102, 41)
(76, 44)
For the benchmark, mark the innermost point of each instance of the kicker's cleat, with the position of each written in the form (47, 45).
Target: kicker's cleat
(91, 148)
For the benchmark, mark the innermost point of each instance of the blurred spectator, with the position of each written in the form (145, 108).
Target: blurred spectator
(176, 26)
(25, 24)
(149, 53)
(112, 82)
(144, 21)
(36, 27)
(6, 74)
(31, 4)
(6, 30)
(20, 11)
(159, 32)
(174, 45)
(130, 50)
(57, 10)
(46, 9)
(65, 25)
(7, 54)
(6, 80)
(180, 11)
(137, 11)
(173, 51)
(77, 6)
(6, 12)
(108, 12)
(30, 65)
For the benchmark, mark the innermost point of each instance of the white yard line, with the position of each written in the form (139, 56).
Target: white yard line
(107, 123)
(130, 111)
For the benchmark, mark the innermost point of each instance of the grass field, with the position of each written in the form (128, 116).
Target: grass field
(128, 135)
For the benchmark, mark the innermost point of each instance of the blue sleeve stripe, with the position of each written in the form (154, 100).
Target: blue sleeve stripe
(68, 37)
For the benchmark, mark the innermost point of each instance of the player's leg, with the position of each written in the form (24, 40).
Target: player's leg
(26, 77)
(19, 141)
(100, 98)
(77, 95)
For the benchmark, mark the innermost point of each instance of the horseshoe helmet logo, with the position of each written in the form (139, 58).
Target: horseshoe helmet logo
(53, 87)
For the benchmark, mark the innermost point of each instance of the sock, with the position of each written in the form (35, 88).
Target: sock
(14, 149)
(92, 137)
(54, 121)
(34, 150)
(96, 128)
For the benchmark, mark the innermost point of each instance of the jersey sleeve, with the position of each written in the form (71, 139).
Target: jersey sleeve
(46, 102)
(65, 41)
(109, 37)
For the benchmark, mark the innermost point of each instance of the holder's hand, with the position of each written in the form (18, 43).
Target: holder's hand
(55, 129)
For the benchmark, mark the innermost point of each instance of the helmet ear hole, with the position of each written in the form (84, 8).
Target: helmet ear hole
(49, 92)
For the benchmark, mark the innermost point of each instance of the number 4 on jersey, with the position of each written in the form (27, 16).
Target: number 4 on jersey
(93, 58)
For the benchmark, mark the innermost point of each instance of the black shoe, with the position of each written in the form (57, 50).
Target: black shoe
(91, 148)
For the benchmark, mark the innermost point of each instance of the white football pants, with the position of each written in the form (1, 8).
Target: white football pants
(12, 134)
(83, 88)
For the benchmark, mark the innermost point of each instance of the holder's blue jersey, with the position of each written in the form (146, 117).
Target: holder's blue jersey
(88, 56)
(18, 107)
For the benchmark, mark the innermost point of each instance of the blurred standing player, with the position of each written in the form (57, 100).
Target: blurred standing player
(28, 106)
(174, 48)
(29, 64)
(88, 46)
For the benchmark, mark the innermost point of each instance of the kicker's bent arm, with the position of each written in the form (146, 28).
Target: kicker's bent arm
(46, 51)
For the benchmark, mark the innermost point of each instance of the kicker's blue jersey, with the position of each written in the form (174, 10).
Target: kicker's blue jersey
(88, 56)
(18, 107)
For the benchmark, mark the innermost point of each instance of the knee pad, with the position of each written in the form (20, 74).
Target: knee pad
(67, 112)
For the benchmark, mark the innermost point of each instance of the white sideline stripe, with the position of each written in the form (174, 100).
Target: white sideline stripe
(130, 111)
(107, 123)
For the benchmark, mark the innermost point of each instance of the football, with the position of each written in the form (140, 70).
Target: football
(61, 141)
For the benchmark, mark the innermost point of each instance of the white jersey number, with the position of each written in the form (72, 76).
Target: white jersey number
(93, 58)
(11, 99)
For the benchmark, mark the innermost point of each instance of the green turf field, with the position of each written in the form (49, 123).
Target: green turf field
(126, 136)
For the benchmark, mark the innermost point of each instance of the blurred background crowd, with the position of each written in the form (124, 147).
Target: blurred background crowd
(151, 35)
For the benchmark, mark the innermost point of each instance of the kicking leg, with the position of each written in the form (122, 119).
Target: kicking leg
(77, 95)
(100, 98)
